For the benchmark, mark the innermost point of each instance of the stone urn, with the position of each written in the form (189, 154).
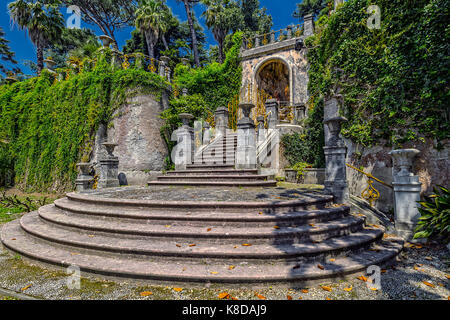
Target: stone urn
(84, 167)
(404, 160)
(106, 40)
(334, 126)
(110, 146)
(246, 109)
(165, 60)
(185, 62)
(186, 118)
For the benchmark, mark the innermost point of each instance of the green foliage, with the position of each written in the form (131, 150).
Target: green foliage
(435, 216)
(5, 52)
(50, 124)
(307, 147)
(395, 79)
(300, 168)
(217, 83)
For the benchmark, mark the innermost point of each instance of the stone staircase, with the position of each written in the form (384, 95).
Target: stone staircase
(214, 166)
(272, 239)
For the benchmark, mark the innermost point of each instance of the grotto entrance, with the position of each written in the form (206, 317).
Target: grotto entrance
(272, 79)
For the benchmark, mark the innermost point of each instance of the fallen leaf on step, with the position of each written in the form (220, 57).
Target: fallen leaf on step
(447, 276)
(233, 298)
(321, 267)
(260, 296)
(429, 258)
(13, 238)
(312, 224)
(373, 289)
(276, 227)
(91, 236)
(27, 287)
(300, 298)
(146, 293)
(224, 295)
(428, 284)
(348, 289)
(326, 288)
(289, 297)
(327, 298)
(417, 268)
(440, 284)
(178, 289)
(362, 278)
(231, 267)
(260, 212)
(383, 270)
(208, 230)
(332, 260)
(214, 272)
(168, 226)
(246, 244)
(192, 245)
(305, 290)
(178, 245)
(74, 253)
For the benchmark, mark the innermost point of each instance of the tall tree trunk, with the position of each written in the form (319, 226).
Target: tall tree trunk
(221, 55)
(193, 35)
(40, 56)
(150, 43)
(163, 36)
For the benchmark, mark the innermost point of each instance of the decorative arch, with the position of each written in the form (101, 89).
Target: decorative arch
(262, 65)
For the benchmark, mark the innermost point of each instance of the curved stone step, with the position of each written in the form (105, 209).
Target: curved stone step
(213, 217)
(113, 264)
(209, 167)
(224, 183)
(215, 177)
(267, 234)
(212, 172)
(306, 202)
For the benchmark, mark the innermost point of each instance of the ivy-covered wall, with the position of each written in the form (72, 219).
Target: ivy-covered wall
(394, 79)
(49, 125)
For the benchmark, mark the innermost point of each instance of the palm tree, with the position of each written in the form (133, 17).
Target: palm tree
(218, 16)
(151, 19)
(43, 22)
(189, 13)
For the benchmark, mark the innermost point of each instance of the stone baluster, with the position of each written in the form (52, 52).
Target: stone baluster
(308, 25)
(257, 41)
(272, 37)
(289, 32)
(206, 134)
(85, 179)
(406, 192)
(272, 111)
(184, 149)
(184, 92)
(335, 155)
(139, 61)
(261, 129)
(221, 119)
(246, 140)
(109, 168)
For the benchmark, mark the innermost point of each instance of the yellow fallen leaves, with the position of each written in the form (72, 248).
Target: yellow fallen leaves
(214, 272)
(146, 293)
(429, 284)
(192, 245)
(305, 290)
(332, 260)
(178, 289)
(276, 227)
(348, 289)
(25, 288)
(429, 258)
(224, 295)
(321, 267)
(231, 267)
(208, 230)
(328, 298)
(447, 276)
(289, 297)
(246, 244)
(416, 267)
(326, 288)
(260, 296)
(362, 278)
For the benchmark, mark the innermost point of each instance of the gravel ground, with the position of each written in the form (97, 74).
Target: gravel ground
(420, 274)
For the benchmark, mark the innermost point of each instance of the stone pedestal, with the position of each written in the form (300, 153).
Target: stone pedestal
(84, 180)
(246, 140)
(272, 113)
(183, 151)
(406, 192)
(221, 118)
(207, 134)
(335, 155)
(109, 168)
(308, 25)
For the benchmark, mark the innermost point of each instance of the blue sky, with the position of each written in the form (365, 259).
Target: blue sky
(280, 10)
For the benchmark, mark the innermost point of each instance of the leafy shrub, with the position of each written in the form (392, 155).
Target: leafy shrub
(435, 216)
(300, 168)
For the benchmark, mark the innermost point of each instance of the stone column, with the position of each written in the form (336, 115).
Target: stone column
(84, 180)
(335, 154)
(184, 148)
(162, 66)
(221, 118)
(272, 37)
(246, 141)
(308, 25)
(109, 168)
(289, 32)
(299, 113)
(406, 192)
(272, 111)
(261, 129)
(139, 62)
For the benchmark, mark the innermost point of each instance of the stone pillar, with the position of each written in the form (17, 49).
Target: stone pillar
(84, 180)
(272, 37)
(139, 62)
(206, 134)
(184, 148)
(116, 60)
(246, 141)
(289, 32)
(109, 168)
(261, 129)
(299, 113)
(257, 41)
(406, 192)
(162, 66)
(221, 118)
(308, 25)
(272, 111)
(335, 154)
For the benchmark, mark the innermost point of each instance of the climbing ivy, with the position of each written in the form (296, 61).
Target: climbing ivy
(51, 124)
(394, 80)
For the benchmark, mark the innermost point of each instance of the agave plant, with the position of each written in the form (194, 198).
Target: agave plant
(435, 215)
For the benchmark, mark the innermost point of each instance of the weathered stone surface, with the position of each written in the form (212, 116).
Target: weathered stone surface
(136, 129)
